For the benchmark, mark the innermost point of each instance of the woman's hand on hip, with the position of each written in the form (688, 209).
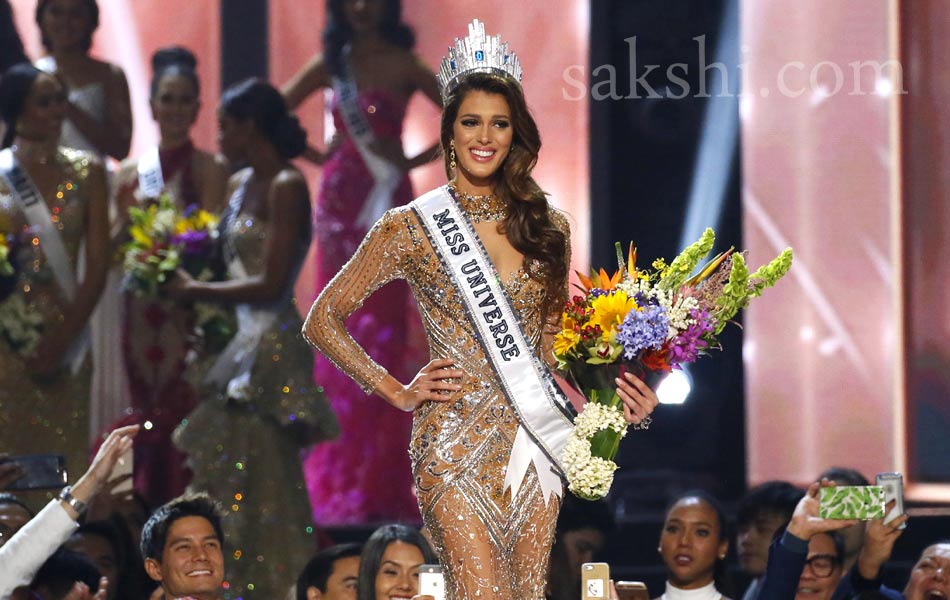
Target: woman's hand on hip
(432, 384)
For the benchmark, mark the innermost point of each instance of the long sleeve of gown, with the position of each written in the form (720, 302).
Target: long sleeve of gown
(376, 262)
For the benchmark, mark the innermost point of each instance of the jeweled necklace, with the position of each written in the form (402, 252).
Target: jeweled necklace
(488, 207)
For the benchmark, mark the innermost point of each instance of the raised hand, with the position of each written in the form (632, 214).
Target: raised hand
(879, 543)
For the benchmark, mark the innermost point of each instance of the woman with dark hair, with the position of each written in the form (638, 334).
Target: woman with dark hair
(369, 64)
(486, 257)
(158, 340)
(98, 111)
(244, 440)
(53, 209)
(693, 545)
(98, 119)
(389, 564)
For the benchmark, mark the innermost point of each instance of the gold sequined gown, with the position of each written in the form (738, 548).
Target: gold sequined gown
(246, 454)
(49, 413)
(491, 547)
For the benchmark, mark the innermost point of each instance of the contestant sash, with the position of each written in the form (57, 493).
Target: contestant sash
(386, 176)
(232, 369)
(31, 202)
(151, 180)
(544, 413)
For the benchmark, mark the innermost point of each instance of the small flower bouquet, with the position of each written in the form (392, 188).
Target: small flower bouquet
(648, 323)
(20, 327)
(164, 239)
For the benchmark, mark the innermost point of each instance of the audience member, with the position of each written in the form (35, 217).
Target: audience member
(331, 574)
(68, 575)
(582, 528)
(853, 536)
(109, 546)
(182, 547)
(29, 548)
(805, 561)
(762, 511)
(693, 544)
(14, 514)
(389, 565)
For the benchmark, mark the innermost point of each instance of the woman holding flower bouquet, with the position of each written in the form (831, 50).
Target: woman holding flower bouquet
(53, 213)
(487, 259)
(244, 440)
(158, 333)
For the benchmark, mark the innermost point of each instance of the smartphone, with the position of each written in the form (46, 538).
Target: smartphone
(40, 471)
(595, 581)
(863, 502)
(431, 581)
(632, 590)
(893, 484)
(122, 468)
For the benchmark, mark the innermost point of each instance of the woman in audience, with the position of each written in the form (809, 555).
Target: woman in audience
(98, 119)
(389, 565)
(368, 61)
(244, 440)
(14, 514)
(693, 544)
(53, 212)
(158, 338)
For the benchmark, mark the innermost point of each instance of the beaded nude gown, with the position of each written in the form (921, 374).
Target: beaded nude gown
(490, 545)
(50, 413)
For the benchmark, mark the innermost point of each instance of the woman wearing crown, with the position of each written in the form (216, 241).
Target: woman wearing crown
(487, 260)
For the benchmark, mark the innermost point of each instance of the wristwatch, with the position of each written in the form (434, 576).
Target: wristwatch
(66, 495)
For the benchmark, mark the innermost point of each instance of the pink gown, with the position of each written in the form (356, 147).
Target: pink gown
(364, 475)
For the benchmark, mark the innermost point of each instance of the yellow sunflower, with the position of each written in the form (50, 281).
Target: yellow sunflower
(610, 311)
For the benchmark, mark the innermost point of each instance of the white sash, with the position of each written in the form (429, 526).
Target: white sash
(151, 180)
(232, 369)
(386, 176)
(544, 413)
(31, 202)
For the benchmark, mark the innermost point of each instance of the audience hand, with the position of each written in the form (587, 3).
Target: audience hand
(108, 501)
(9, 472)
(806, 523)
(878, 544)
(117, 443)
(80, 591)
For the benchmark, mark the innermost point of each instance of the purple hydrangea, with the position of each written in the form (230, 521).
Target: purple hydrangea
(643, 329)
(686, 347)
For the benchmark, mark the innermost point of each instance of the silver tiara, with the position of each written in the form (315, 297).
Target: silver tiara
(477, 53)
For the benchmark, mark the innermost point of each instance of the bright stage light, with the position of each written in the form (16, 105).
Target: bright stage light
(675, 388)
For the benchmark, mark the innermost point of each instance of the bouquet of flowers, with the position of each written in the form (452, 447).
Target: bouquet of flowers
(647, 322)
(21, 327)
(165, 239)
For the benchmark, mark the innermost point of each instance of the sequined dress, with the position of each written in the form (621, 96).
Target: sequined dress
(490, 546)
(343, 484)
(49, 413)
(246, 454)
(158, 347)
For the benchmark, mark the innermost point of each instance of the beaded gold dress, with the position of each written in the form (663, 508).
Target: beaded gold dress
(246, 453)
(49, 413)
(490, 545)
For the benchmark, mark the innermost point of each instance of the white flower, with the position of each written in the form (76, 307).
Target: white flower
(599, 417)
(588, 476)
(21, 327)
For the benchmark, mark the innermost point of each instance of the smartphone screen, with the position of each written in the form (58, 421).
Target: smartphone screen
(595, 581)
(40, 471)
(431, 581)
(893, 484)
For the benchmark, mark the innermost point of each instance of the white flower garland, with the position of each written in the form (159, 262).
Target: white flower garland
(590, 476)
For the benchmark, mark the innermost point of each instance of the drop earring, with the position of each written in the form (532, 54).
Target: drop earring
(452, 155)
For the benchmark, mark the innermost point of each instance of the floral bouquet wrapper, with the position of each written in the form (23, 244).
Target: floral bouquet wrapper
(647, 322)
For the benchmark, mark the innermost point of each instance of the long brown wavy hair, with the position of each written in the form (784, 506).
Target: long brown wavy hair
(528, 226)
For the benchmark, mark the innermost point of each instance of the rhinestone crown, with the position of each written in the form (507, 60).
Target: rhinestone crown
(477, 53)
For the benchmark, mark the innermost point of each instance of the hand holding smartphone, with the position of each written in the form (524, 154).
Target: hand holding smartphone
(595, 581)
(893, 485)
(39, 472)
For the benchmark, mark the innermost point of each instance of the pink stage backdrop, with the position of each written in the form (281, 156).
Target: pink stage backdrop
(547, 41)
(129, 32)
(821, 166)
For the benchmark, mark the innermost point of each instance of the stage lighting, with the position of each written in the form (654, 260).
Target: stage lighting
(675, 388)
